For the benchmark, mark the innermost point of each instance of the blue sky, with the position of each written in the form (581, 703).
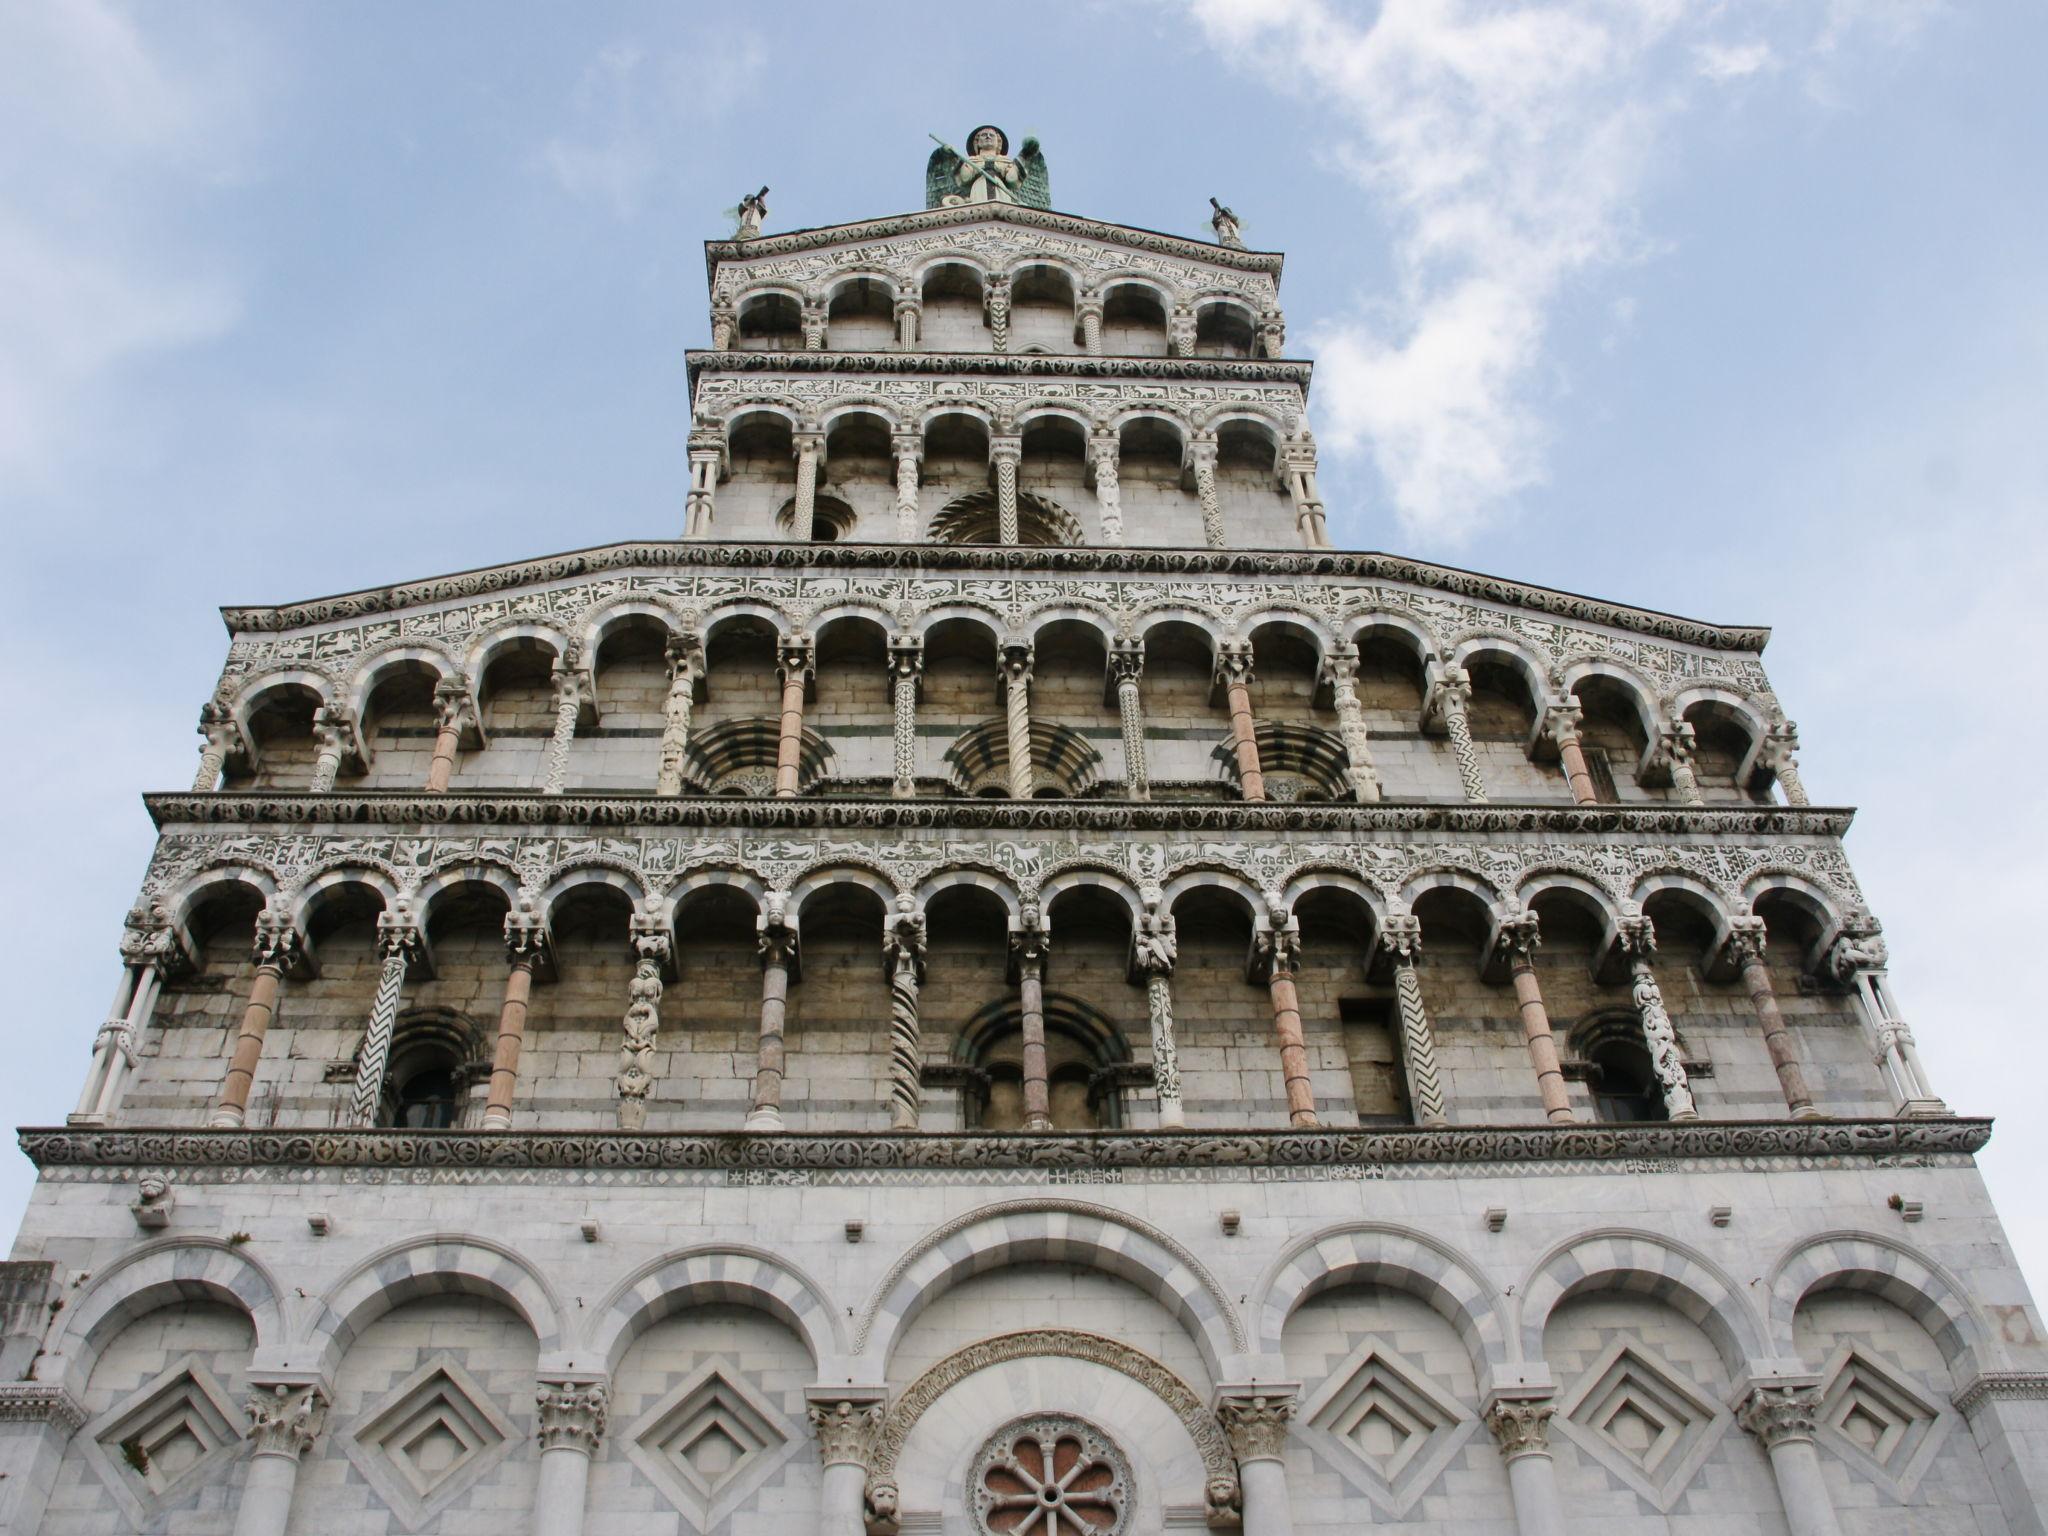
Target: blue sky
(1732, 308)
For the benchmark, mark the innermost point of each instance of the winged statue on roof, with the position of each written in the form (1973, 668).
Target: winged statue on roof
(987, 173)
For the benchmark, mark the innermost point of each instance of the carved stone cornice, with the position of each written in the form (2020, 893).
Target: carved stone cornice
(36, 1402)
(168, 1147)
(1177, 370)
(2017, 1386)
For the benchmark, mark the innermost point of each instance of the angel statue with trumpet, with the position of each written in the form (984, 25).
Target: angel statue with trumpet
(986, 173)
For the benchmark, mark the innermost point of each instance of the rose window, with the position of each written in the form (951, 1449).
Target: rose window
(1051, 1476)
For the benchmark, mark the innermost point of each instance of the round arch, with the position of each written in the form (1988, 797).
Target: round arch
(1083, 876)
(841, 872)
(1643, 1263)
(1882, 1266)
(439, 1264)
(1398, 1258)
(372, 672)
(983, 880)
(717, 1275)
(173, 1272)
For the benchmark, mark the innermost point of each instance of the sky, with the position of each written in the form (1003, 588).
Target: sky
(1732, 308)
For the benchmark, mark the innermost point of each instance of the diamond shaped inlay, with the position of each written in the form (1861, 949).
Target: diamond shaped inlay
(1379, 1422)
(428, 1440)
(710, 1442)
(1643, 1420)
(1876, 1419)
(161, 1441)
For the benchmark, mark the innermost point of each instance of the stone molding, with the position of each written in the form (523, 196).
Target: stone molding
(2014, 1386)
(1218, 370)
(162, 1147)
(35, 1402)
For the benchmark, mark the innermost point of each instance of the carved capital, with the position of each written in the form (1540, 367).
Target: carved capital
(571, 1415)
(1030, 943)
(1256, 1424)
(278, 943)
(1637, 936)
(285, 1420)
(1202, 452)
(1859, 947)
(1521, 934)
(1520, 1425)
(1015, 665)
(1006, 449)
(1779, 1414)
(1127, 660)
(1234, 662)
(848, 1430)
(1341, 669)
(903, 935)
(526, 933)
(399, 932)
(452, 708)
(1450, 691)
(1155, 947)
(906, 656)
(1401, 937)
(796, 656)
(1747, 938)
(684, 655)
(1561, 723)
(1276, 951)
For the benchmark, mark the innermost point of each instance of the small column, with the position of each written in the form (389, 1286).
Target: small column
(1401, 938)
(1449, 697)
(1089, 312)
(1342, 672)
(725, 326)
(113, 1042)
(403, 946)
(1109, 504)
(906, 668)
(707, 457)
(284, 1421)
(1780, 1412)
(803, 512)
(1519, 937)
(903, 951)
(571, 1418)
(1561, 726)
(1127, 666)
(1675, 752)
(451, 715)
(1747, 937)
(222, 740)
(1030, 941)
(1639, 942)
(849, 1429)
(1298, 465)
(526, 945)
(684, 655)
(909, 447)
(1202, 459)
(1780, 756)
(779, 956)
(1180, 331)
(333, 735)
(1016, 676)
(1857, 959)
(1154, 949)
(1255, 1422)
(652, 956)
(572, 692)
(815, 318)
(149, 950)
(909, 312)
(279, 949)
(1005, 453)
(795, 661)
(1521, 1428)
(998, 304)
(1234, 670)
(1273, 334)
(1276, 959)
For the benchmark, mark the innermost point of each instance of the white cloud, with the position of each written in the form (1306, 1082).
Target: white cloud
(1733, 61)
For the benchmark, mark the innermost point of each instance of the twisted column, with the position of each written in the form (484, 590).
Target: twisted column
(1202, 457)
(221, 738)
(684, 655)
(815, 319)
(778, 945)
(403, 946)
(1342, 671)
(1127, 665)
(1449, 698)
(803, 511)
(451, 715)
(526, 941)
(1154, 950)
(1006, 453)
(284, 1421)
(1090, 312)
(1029, 944)
(1639, 943)
(570, 1421)
(1401, 938)
(652, 954)
(1016, 673)
(1109, 505)
(1276, 959)
(1180, 331)
(1779, 756)
(333, 728)
(570, 685)
(1520, 1427)
(795, 657)
(909, 311)
(279, 948)
(909, 455)
(906, 665)
(998, 302)
(1781, 1414)
(1255, 1423)
(849, 1431)
(1747, 937)
(707, 453)
(1520, 934)
(1857, 959)
(1234, 667)
(1676, 749)
(903, 950)
(1561, 725)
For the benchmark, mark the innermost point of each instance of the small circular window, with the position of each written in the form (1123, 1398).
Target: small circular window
(1051, 1475)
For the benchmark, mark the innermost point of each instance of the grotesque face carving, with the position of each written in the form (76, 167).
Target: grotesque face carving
(986, 141)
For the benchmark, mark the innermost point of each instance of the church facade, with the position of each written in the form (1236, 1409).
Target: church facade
(1000, 984)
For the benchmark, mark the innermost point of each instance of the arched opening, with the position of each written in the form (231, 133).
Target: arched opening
(1619, 1076)
(1133, 321)
(976, 518)
(961, 690)
(832, 518)
(1042, 302)
(1054, 467)
(632, 697)
(741, 680)
(1722, 744)
(280, 732)
(516, 696)
(1083, 1048)
(1613, 738)
(1226, 1026)
(1345, 1008)
(967, 938)
(1392, 684)
(452, 1009)
(956, 456)
(1224, 328)
(837, 1038)
(399, 725)
(853, 685)
(1070, 661)
(1182, 721)
(1151, 454)
(1502, 716)
(955, 317)
(1247, 455)
(760, 469)
(201, 1007)
(771, 322)
(703, 1061)
(438, 1056)
(862, 316)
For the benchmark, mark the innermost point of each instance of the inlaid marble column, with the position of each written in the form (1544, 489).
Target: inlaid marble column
(997, 300)
(334, 735)
(1234, 669)
(1781, 1413)
(1450, 696)
(401, 946)
(570, 1419)
(1520, 935)
(279, 950)
(684, 655)
(1298, 465)
(1521, 1428)
(1030, 942)
(1747, 937)
(1675, 744)
(906, 668)
(452, 715)
(1779, 755)
(526, 945)
(1180, 331)
(1638, 938)
(909, 314)
(221, 739)
(1401, 939)
(1016, 679)
(1276, 960)
(1154, 950)
(1202, 453)
(849, 1429)
(1255, 1422)
(1089, 312)
(815, 319)
(653, 954)
(1342, 672)
(903, 952)
(909, 451)
(1561, 726)
(777, 938)
(1109, 502)
(803, 509)
(284, 1421)
(1126, 667)
(1857, 959)
(573, 694)
(707, 458)
(795, 659)
(1005, 453)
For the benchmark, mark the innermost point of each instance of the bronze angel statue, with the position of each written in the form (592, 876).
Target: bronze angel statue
(986, 173)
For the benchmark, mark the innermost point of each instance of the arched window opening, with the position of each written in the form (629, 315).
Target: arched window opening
(1617, 1069)
(437, 1058)
(1223, 330)
(738, 757)
(1087, 1067)
(1063, 764)
(1300, 762)
(771, 322)
(862, 316)
(974, 519)
(832, 518)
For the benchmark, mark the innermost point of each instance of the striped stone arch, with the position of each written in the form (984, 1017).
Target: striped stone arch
(604, 617)
(1397, 1258)
(184, 898)
(1317, 626)
(1155, 410)
(1718, 908)
(485, 648)
(371, 670)
(1075, 876)
(956, 406)
(589, 869)
(1411, 629)
(1448, 877)
(1824, 905)
(440, 1264)
(729, 1275)
(1079, 613)
(707, 876)
(889, 412)
(1052, 1230)
(983, 614)
(1643, 1264)
(1755, 719)
(1148, 619)
(951, 256)
(1850, 1260)
(1520, 657)
(501, 877)
(1641, 688)
(312, 890)
(729, 412)
(854, 610)
(1321, 877)
(1158, 284)
(1218, 878)
(720, 614)
(171, 1273)
(840, 871)
(1211, 418)
(1580, 880)
(1000, 886)
(1070, 411)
